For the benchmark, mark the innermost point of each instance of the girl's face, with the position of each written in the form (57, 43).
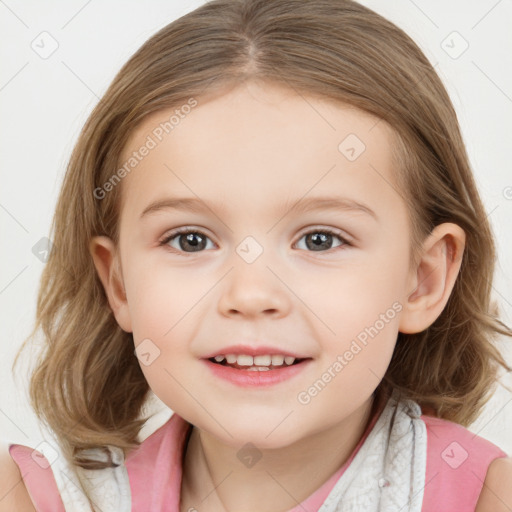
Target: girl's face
(258, 271)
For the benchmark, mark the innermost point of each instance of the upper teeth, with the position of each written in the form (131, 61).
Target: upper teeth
(264, 360)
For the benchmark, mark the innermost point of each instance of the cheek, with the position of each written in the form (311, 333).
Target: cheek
(162, 307)
(356, 345)
(160, 298)
(348, 299)
(356, 316)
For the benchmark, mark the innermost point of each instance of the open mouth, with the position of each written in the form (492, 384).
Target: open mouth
(256, 367)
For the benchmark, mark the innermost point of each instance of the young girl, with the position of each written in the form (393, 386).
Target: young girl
(269, 222)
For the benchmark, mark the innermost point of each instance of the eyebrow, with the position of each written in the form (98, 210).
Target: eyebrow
(300, 206)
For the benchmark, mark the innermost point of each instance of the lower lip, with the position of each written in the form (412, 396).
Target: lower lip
(248, 378)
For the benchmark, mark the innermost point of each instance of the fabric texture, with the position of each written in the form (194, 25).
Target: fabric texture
(404, 461)
(388, 472)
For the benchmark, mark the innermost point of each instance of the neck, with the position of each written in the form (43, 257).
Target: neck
(214, 480)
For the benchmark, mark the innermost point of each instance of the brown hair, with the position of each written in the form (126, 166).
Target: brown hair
(88, 385)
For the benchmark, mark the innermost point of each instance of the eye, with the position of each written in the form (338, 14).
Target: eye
(319, 239)
(195, 240)
(190, 240)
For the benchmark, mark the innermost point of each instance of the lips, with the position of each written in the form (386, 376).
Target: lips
(257, 379)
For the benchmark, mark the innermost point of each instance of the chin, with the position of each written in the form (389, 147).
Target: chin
(262, 435)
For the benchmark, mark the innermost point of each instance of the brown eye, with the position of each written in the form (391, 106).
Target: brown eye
(187, 240)
(321, 240)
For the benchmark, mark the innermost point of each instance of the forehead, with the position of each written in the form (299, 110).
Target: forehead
(257, 145)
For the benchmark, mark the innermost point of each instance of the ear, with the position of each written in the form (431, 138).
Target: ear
(433, 279)
(107, 263)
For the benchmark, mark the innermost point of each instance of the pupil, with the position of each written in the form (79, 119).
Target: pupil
(319, 241)
(189, 240)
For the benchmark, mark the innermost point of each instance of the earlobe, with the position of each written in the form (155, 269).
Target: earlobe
(107, 264)
(434, 278)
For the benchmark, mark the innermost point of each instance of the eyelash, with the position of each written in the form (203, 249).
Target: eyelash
(186, 231)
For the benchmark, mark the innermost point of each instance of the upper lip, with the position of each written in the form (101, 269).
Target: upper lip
(260, 350)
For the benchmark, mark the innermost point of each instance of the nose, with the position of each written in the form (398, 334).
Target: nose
(252, 290)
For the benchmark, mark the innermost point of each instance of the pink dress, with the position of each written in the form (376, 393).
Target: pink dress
(457, 462)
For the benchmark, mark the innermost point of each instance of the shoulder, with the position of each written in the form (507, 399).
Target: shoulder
(458, 463)
(13, 493)
(458, 445)
(496, 495)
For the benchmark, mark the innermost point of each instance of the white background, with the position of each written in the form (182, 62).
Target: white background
(45, 102)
